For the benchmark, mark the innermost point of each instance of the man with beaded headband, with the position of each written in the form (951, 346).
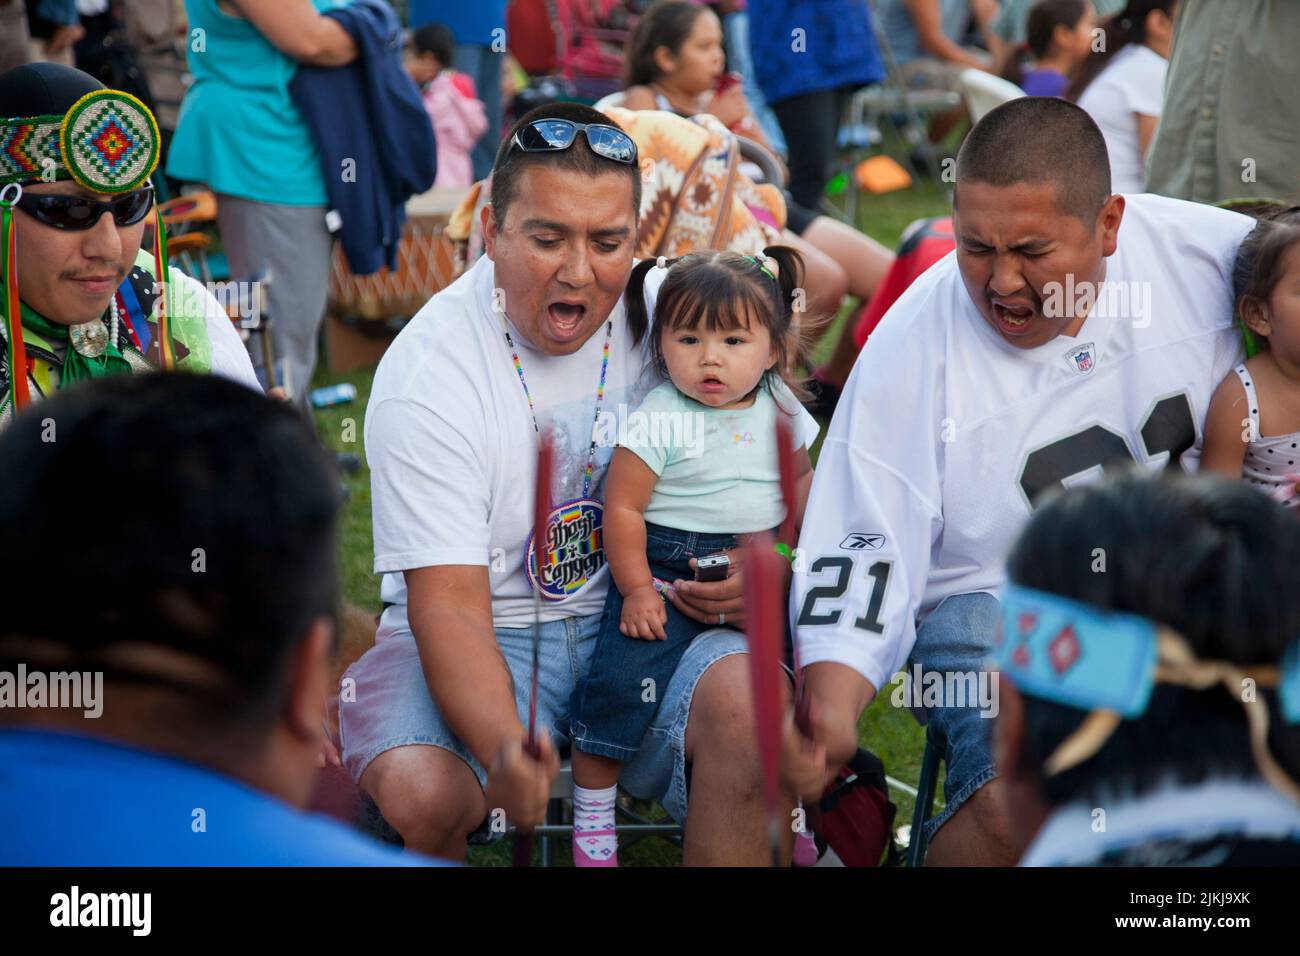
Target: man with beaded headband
(90, 302)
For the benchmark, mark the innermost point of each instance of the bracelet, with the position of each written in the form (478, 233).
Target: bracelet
(784, 551)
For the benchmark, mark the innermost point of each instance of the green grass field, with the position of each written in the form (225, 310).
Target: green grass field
(890, 732)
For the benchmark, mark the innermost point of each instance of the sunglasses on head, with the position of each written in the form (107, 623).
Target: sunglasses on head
(82, 212)
(557, 135)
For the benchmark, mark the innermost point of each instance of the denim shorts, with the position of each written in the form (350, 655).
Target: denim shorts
(956, 638)
(389, 704)
(616, 699)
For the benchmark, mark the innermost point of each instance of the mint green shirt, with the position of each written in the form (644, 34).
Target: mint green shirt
(718, 470)
(239, 131)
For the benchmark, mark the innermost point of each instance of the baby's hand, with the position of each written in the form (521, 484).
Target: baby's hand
(644, 615)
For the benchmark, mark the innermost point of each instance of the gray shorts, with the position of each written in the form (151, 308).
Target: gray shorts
(389, 704)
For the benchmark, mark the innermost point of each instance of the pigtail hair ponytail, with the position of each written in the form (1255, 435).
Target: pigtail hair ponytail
(638, 318)
(795, 328)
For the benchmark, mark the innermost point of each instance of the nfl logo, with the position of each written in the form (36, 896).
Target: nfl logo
(1081, 358)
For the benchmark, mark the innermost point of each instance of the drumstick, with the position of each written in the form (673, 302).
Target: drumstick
(523, 852)
(763, 615)
(802, 703)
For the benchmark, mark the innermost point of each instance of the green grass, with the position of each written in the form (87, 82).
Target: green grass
(888, 731)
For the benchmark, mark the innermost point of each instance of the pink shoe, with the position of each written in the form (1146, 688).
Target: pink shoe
(585, 841)
(805, 850)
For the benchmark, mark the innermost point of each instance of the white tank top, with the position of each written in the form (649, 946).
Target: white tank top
(1269, 459)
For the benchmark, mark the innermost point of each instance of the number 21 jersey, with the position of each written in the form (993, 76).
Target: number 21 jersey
(947, 434)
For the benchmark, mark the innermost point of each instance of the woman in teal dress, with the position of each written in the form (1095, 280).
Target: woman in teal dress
(240, 134)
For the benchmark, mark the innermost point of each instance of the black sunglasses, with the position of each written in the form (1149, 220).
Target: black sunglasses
(82, 212)
(556, 135)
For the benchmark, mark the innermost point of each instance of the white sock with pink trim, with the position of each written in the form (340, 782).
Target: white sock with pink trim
(593, 823)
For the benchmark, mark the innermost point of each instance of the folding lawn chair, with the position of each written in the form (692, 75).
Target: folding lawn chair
(630, 824)
(935, 748)
(894, 104)
(984, 91)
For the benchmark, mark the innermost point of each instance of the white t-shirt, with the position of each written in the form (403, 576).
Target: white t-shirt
(1133, 82)
(718, 469)
(945, 431)
(452, 449)
(229, 356)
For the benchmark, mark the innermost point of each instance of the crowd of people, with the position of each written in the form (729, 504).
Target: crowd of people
(1064, 462)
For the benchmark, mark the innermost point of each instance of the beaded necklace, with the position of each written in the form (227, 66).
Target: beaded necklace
(589, 468)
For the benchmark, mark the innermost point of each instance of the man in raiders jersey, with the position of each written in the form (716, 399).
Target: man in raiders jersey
(1072, 333)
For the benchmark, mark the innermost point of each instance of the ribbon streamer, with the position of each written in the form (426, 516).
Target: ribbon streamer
(19, 397)
(166, 354)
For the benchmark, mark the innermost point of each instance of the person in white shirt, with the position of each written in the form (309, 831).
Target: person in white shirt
(1122, 85)
(1072, 332)
(534, 337)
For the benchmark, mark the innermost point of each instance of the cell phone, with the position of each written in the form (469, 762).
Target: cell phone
(726, 81)
(712, 568)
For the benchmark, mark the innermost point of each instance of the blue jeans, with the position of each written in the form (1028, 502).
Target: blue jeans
(385, 701)
(615, 701)
(956, 638)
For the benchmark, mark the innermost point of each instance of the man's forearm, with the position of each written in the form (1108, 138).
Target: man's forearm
(840, 694)
(468, 678)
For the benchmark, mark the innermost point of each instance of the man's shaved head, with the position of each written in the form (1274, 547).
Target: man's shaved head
(1037, 140)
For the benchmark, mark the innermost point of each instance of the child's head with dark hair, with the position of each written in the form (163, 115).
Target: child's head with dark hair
(724, 322)
(436, 40)
(1266, 280)
(430, 51)
(678, 41)
(1055, 28)
(1209, 558)
(1150, 22)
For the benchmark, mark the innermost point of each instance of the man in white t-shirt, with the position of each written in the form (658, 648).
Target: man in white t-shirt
(533, 337)
(1043, 352)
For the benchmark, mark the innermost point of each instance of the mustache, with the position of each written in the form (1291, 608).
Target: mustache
(115, 270)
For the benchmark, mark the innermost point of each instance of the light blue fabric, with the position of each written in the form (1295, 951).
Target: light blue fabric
(239, 131)
(1072, 653)
(72, 800)
(900, 30)
(718, 470)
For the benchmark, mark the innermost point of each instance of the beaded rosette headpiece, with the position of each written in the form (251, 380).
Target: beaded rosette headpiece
(107, 141)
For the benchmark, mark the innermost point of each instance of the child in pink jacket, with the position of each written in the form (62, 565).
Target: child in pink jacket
(458, 116)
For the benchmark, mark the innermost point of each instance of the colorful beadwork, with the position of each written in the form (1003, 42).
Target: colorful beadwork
(109, 141)
(589, 468)
(28, 147)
